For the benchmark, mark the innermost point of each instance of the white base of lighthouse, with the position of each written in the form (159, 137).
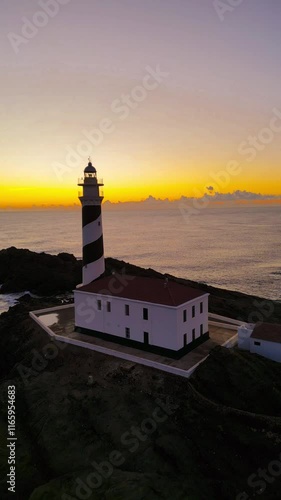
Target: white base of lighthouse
(93, 270)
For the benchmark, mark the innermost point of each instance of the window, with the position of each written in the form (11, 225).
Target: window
(193, 311)
(257, 343)
(99, 305)
(184, 316)
(201, 307)
(108, 307)
(193, 334)
(127, 310)
(145, 313)
(127, 331)
(201, 329)
(185, 339)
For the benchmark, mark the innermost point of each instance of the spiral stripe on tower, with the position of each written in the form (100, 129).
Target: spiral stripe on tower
(93, 249)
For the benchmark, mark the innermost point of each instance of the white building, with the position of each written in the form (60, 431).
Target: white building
(263, 339)
(147, 313)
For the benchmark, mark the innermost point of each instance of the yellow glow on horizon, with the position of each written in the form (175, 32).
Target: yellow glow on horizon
(128, 183)
(67, 196)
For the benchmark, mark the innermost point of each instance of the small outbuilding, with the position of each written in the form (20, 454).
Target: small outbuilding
(263, 339)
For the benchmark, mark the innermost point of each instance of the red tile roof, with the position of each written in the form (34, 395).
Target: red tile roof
(152, 290)
(267, 331)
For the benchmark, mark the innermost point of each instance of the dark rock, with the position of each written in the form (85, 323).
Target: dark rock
(44, 274)
(196, 451)
(40, 273)
(205, 449)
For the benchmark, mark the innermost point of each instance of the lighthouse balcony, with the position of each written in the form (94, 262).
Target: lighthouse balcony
(90, 179)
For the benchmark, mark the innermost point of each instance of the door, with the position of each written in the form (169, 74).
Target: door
(146, 338)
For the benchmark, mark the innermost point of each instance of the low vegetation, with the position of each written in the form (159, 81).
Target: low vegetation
(94, 427)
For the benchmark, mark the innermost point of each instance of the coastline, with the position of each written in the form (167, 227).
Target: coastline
(64, 423)
(56, 276)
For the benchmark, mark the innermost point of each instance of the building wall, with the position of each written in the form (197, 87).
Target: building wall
(161, 324)
(244, 336)
(187, 327)
(270, 350)
(164, 325)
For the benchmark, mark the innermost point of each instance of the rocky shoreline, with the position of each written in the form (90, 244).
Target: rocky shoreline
(70, 431)
(54, 275)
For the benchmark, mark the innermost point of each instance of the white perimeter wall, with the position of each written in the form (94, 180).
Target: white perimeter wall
(270, 350)
(164, 325)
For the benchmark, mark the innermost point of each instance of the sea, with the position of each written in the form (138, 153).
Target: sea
(236, 247)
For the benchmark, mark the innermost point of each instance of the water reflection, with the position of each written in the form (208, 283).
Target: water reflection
(49, 319)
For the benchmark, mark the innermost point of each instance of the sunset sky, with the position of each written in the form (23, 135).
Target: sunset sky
(217, 84)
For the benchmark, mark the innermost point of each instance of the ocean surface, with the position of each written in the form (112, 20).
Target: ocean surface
(237, 248)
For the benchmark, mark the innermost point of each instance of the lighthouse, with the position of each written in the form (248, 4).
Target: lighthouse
(91, 200)
(148, 313)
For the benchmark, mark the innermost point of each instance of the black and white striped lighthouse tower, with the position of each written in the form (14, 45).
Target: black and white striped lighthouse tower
(91, 200)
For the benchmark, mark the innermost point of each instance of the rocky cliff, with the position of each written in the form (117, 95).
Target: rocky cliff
(94, 427)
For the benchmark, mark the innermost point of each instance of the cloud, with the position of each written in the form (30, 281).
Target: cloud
(153, 203)
(243, 195)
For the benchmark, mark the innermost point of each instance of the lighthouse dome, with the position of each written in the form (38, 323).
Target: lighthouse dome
(90, 169)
